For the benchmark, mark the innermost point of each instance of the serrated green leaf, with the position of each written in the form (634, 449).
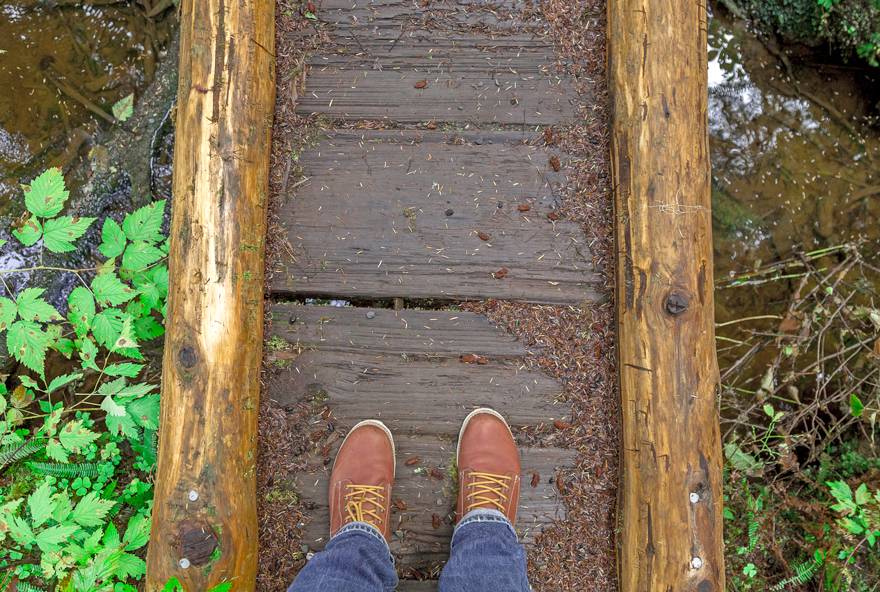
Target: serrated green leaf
(27, 342)
(50, 539)
(112, 239)
(40, 504)
(87, 353)
(106, 327)
(91, 510)
(127, 369)
(137, 532)
(8, 310)
(862, 495)
(31, 307)
(126, 338)
(28, 382)
(856, 407)
(130, 566)
(139, 255)
(145, 411)
(110, 290)
(124, 108)
(136, 390)
(112, 408)
(173, 585)
(80, 310)
(3, 241)
(59, 233)
(146, 328)
(29, 232)
(111, 536)
(61, 506)
(55, 451)
(63, 380)
(64, 346)
(74, 436)
(121, 424)
(145, 224)
(20, 530)
(222, 587)
(46, 194)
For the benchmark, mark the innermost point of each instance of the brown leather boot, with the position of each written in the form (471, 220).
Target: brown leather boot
(360, 484)
(488, 465)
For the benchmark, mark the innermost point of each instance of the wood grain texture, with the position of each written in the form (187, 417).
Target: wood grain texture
(419, 496)
(394, 369)
(666, 345)
(401, 213)
(213, 344)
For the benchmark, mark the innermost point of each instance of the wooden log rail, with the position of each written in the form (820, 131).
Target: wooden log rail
(204, 517)
(670, 491)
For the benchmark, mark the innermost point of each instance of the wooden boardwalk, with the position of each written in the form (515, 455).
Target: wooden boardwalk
(431, 185)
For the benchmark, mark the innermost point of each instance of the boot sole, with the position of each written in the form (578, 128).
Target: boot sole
(467, 419)
(376, 424)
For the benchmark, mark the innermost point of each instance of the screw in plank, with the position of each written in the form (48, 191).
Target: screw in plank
(694, 497)
(696, 563)
(371, 314)
(193, 495)
(183, 563)
(676, 303)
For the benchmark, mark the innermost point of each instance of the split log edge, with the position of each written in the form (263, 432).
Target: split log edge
(204, 517)
(670, 503)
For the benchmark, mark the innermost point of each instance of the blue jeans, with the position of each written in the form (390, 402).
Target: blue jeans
(485, 557)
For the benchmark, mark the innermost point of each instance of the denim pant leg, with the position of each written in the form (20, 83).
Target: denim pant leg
(485, 556)
(356, 559)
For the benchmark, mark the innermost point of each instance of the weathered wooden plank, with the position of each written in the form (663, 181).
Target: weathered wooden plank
(401, 213)
(425, 497)
(413, 332)
(417, 76)
(413, 586)
(670, 487)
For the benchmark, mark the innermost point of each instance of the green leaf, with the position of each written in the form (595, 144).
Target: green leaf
(33, 308)
(46, 195)
(27, 342)
(63, 380)
(862, 495)
(74, 436)
(29, 232)
(124, 108)
(856, 407)
(40, 504)
(64, 346)
(173, 585)
(130, 566)
(59, 233)
(61, 506)
(112, 408)
(137, 532)
(109, 290)
(81, 310)
(87, 353)
(222, 587)
(91, 510)
(112, 239)
(127, 369)
(147, 328)
(3, 242)
(28, 382)
(20, 530)
(139, 255)
(55, 451)
(145, 411)
(106, 327)
(145, 224)
(8, 310)
(121, 424)
(126, 338)
(51, 538)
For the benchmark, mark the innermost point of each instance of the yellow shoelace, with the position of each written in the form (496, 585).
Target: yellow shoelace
(363, 503)
(487, 490)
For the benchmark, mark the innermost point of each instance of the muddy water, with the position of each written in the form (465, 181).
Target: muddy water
(60, 63)
(795, 158)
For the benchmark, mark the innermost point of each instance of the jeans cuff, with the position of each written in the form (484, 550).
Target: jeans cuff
(365, 528)
(483, 515)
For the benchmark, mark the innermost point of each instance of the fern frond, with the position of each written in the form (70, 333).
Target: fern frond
(12, 453)
(26, 587)
(71, 471)
(803, 573)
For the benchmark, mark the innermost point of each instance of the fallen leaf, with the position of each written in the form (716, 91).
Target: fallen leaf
(789, 325)
(436, 473)
(548, 136)
(536, 479)
(560, 484)
(435, 521)
(561, 425)
(421, 84)
(553, 216)
(501, 273)
(523, 207)
(483, 236)
(474, 359)
(400, 504)
(316, 435)
(412, 461)
(554, 163)
(431, 125)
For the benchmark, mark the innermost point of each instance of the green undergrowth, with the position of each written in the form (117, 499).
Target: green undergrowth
(78, 413)
(800, 404)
